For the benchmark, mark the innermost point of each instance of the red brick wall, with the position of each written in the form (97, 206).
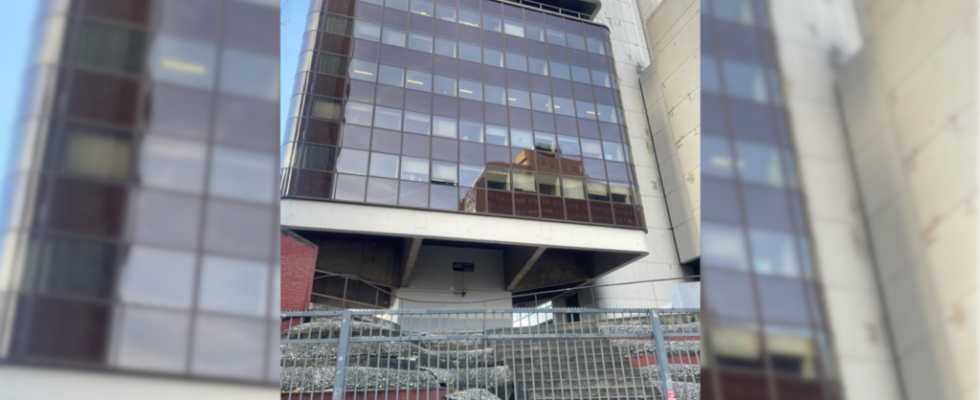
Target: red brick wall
(298, 260)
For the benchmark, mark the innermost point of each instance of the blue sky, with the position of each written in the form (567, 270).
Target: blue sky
(16, 23)
(292, 17)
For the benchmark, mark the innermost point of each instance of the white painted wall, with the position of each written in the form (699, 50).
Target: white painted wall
(433, 279)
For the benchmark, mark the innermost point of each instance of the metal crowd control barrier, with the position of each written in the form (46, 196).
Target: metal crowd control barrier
(487, 354)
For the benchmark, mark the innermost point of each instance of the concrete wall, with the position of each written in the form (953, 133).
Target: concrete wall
(910, 104)
(433, 279)
(808, 37)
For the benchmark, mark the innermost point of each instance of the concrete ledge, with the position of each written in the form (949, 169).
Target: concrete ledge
(390, 221)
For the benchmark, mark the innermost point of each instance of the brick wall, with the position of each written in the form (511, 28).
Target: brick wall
(298, 259)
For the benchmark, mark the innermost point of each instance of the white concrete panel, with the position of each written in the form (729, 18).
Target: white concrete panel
(877, 379)
(844, 259)
(828, 189)
(655, 220)
(952, 254)
(895, 237)
(817, 130)
(880, 171)
(863, 335)
(943, 173)
(959, 328)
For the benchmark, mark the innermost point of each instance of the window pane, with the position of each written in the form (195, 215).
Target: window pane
(493, 57)
(709, 74)
(556, 37)
(444, 173)
(516, 62)
(445, 47)
(332, 64)
(602, 78)
(218, 353)
(758, 163)
(613, 151)
(243, 175)
(367, 30)
(394, 37)
(607, 113)
(596, 46)
(337, 24)
(358, 113)
(773, 253)
(545, 142)
(445, 127)
(321, 158)
(470, 52)
(559, 70)
(524, 182)
(249, 74)
(549, 185)
(415, 169)
(591, 148)
(580, 74)
(470, 90)
(393, 76)
(110, 47)
(417, 122)
(183, 62)
(568, 145)
(445, 85)
(585, 109)
(471, 131)
(497, 135)
(574, 188)
(515, 28)
(418, 81)
(541, 102)
(495, 94)
(736, 11)
(744, 80)
(621, 192)
(469, 18)
(152, 339)
(233, 286)
(96, 152)
(521, 138)
(534, 32)
(158, 277)
(723, 246)
(498, 179)
(388, 118)
(471, 175)
(564, 106)
(717, 153)
(576, 42)
(363, 70)
(420, 42)
(384, 165)
(350, 187)
(445, 13)
(352, 161)
(598, 190)
(492, 23)
(422, 7)
(518, 98)
(172, 164)
(538, 66)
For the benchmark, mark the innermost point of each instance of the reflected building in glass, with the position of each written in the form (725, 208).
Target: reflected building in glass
(140, 223)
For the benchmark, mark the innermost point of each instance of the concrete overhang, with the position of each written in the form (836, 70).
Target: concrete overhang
(587, 8)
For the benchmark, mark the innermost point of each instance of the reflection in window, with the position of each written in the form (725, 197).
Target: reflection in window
(397, 4)
(735, 10)
(242, 175)
(445, 47)
(607, 113)
(773, 253)
(415, 169)
(392, 36)
(524, 182)
(549, 185)
(576, 42)
(384, 191)
(498, 178)
(791, 350)
(471, 131)
(717, 158)
(516, 62)
(110, 47)
(737, 344)
(470, 52)
(445, 127)
(358, 113)
(393, 76)
(418, 81)
(497, 134)
(556, 37)
(249, 74)
(493, 57)
(445, 13)
(153, 339)
(598, 190)
(596, 46)
(518, 98)
(621, 192)
(495, 94)
(95, 152)
(388, 118)
(332, 64)
(545, 142)
(445, 85)
(709, 74)
(568, 145)
(541, 102)
(515, 28)
(367, 31)
(471, 175)
(759, 163)
(384, 165)
(521, 138)
(172, 164)
(534, 32)
(537, 66)
(574, 188)
(564, 106)
(444, 173)
(352, 161)
(492, 23)
(585, 109)
(233, 286)
(420, 42)
(745, 81)
(184, 62)
(363, 70)
(592, 148)
(469, 18)
(417, 122)
(580, 74)
(318, 157)
(158, 277)
(421, 7)
(613, 151)
(602, 78)
(723, 246)
(470, 90)
(560, 70)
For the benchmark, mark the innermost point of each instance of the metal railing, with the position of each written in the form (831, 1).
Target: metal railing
(487, 354)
